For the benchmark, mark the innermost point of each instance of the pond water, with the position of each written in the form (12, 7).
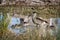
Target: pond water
(58, 34)
(58, 23)
(1, 16)
(18, 30)
(22, 30)
(15, 21)
(58, 20)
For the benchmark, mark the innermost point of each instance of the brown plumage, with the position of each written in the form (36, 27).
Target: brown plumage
(41, 20)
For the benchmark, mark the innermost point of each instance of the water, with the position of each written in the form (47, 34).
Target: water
(17, 31)
(15, 21)
(22, 30)
(58, 23)
(58, 34)
(1, 16)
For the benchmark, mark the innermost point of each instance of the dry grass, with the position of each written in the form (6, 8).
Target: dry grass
(31, 35)
(45, 12)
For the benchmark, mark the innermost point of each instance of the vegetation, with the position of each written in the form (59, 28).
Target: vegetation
(45, 12)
